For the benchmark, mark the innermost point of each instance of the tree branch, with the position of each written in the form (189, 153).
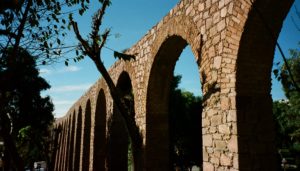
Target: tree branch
(83, 42)
(97, 21)
(104, 38)
(7, 33)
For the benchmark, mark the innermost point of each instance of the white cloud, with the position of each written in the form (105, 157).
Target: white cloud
(63, 102)
(71, 68)
(60, 111)
(62, 107)
(68, 88)
(45, 71)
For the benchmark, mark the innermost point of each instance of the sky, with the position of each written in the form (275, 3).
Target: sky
(129, 21)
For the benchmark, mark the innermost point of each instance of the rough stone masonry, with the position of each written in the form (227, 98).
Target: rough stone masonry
(234, 51)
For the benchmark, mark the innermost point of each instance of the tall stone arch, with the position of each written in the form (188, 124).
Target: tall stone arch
(173, 37)
(86, 137)
(100, 133)
(77, 144)
(118, 141)
(255, 128)
(72, 138)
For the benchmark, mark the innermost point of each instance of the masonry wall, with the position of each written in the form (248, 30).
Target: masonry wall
(234, 53)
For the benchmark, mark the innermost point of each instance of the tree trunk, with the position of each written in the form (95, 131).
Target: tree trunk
(10, 145)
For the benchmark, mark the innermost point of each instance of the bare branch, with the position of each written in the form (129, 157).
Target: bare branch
(7, 33)
(104, 38)
(97, 21)
(83, 42)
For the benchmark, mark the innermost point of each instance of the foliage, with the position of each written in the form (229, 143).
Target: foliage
(30, 114)
(287, 112)
(294, 65)
(288, 124)
(185, 125)
(38, 26)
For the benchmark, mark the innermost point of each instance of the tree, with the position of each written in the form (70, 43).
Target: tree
(37, 26)
(92, 48)
(185, 127)
(287, 112)
(25, 115)
(290, 90)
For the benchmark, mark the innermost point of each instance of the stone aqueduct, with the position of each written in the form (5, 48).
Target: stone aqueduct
(234, 51)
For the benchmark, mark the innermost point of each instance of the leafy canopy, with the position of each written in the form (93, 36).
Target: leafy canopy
(30, 113)
(185, 124)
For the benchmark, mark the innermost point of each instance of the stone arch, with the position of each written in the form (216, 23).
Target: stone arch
(157, 117)
(57, 151)
(67, 143)
(255, 127)
(86, 137)
(182, 26)
(77, 144)
(72, 138)
(61, 147)
(118, 136)
(100, 132)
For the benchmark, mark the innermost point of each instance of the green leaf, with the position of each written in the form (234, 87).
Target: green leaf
(71, 17)
(123, 56)
(81, 11)
(46, 44)
(58, 41)
(275, 71)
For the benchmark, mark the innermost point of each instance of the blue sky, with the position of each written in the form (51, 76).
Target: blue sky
(131, 20)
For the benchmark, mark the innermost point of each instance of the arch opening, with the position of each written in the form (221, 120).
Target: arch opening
(162, 121)
(71, 144)
(255, 124)
(78, 140)
(100, 132)
(120, 151)
(86, 137)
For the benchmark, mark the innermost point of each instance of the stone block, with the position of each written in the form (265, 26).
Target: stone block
(220, 145)
(208, 166)
(231, 116)
(207, 140)
(216, 120)
(215, 160)
(233, 144)
(223, 12)
(217, 62)
(225, 160)
(224, 129)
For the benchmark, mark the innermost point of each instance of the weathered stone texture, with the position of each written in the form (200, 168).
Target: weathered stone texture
(234, 53)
